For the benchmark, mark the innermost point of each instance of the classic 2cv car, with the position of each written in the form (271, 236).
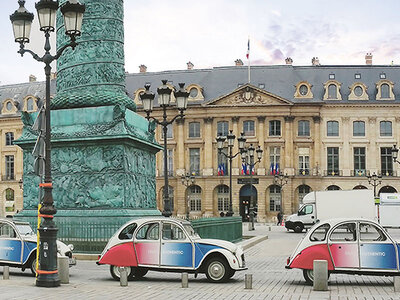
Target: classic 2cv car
(169, 245)
(352, 246)
(18, 246)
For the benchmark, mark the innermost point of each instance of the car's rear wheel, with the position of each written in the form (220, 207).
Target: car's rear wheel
(115, 272)
(217, 270)
(137, 273)
(309, 276)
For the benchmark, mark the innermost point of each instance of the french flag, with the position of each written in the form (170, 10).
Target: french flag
(248, 49)
(277, 168)
(244, 169)
(271, 169)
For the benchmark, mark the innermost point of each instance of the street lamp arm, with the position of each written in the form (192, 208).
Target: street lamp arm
(72, 44)
(22, 51)
(227, 155)
(164, 122)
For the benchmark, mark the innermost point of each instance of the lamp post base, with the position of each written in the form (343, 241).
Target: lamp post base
(166, 213)
(48, 280)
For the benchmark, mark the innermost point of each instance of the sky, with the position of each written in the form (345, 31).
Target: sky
(165, 35)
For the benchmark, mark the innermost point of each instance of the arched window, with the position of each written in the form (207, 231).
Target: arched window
(333, 188)
(303, 190)
(385, 91)
(275, 198)
(10, 203)
(332, 91)
(223, 197)
(194, 195)
(29, 104)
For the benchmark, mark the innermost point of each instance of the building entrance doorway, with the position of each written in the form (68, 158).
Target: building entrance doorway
(245, 196)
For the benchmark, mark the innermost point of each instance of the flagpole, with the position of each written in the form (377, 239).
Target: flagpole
(248, 58)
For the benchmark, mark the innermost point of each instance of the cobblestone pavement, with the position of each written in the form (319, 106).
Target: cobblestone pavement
(266, 261)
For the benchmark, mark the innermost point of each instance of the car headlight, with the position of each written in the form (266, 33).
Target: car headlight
(71, 247)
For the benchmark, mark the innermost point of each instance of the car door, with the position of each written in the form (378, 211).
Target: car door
(377, 250)
(11, 246)
(343, 246)
(176, 246)
(307, 214)
(147, 244)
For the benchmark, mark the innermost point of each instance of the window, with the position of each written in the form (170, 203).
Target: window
(303, 90)
(344, 233)
(172, 232)
(333, 188)
(332, 128)
(386, 128)
(9, 167)
(194, 129)
(358, 128)
(29, 104)
(358, 91)
(248, 128)
(382, 76)
(9, 106)
(127, 232)
(331, 76)
(274, 128)
(385, 91)
(333, 161)
(303, 190)
(357, 76)
(169, 132)
(319, 233)
(10, 204)
(275, 198)
(261, 85)
(193, 92)
(6, 231)
(9, 138)
(195, 198)
(170, 162)
(223, 198)
(332, 91)
(386, 161)
(222, 128)
(304, 128)
(274, 159)
(306, 210)
(223, 163)
(150, 231)
(371, 233)
(304, 161)
(359, 161)
(194, 158)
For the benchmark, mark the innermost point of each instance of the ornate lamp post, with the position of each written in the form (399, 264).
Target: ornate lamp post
(231, 141)
(374, 180)
(21, 21)
(164, 98)
(248, 159)
(280, 180)
(188, 180)
(395, 152)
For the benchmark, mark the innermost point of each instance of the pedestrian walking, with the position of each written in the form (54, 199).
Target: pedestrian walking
(279, 216)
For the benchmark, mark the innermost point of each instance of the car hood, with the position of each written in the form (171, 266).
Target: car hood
(220, 243)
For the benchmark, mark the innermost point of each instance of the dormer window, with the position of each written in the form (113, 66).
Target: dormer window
(385, 90)
(332, 90)
(358, 91)
(195, 92)
(303, 90)
(8, 107)
(30, 104)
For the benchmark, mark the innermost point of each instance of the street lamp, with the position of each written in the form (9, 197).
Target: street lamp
(280, 180)
(164, 98)
(374, 180)
(188, 180)
(21, 21)
(231, 141)
(395, 152)
(248, 159)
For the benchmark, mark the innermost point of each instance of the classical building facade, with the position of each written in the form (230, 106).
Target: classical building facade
(325, 127)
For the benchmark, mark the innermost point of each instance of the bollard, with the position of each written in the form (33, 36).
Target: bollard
(123, 276)
(396, 283)
(6, 272)
(63, 269)
(185, 280)
(248, 281)
(320, 275)
(269, 228)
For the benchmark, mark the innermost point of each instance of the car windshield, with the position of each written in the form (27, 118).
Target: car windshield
(24, 229)
(190, 231)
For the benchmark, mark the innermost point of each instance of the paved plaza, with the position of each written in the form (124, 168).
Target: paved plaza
(266, 261)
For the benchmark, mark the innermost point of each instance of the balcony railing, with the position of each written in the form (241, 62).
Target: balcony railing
(9, 177)
(359, 173)
(333, 173)
(303, 172)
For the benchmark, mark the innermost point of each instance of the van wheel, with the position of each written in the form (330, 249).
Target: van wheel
(114, 270)
(217, 270)
(298, 227)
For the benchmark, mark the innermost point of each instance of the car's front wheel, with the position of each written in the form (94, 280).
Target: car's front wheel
(32, 264)
(116, 274)
(217, 270)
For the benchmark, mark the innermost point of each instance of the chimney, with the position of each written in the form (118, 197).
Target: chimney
(142, 69)
(238, 62)
(368, 59)
(289, 61)
(190, 65)
(32, 78)
(315, 61)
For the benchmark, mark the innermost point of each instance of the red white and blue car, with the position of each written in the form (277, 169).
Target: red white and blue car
(352, 246)
(169, 245)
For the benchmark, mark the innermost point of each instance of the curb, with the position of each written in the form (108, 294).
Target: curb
(86, 256)
(253, 241)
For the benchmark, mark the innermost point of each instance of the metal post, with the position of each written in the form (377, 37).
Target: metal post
(251, 192)
(167, 205)
(230, 212)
